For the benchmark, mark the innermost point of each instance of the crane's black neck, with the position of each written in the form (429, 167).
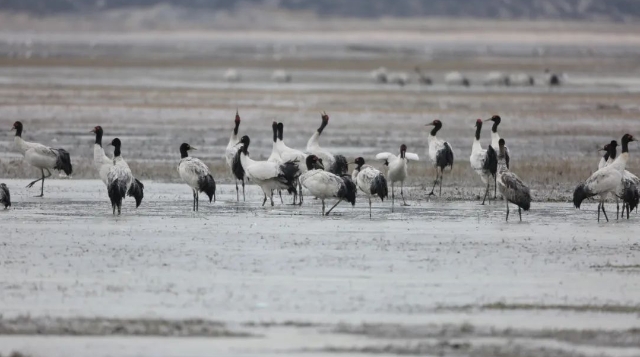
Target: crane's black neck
(478, 128)
(280, 131)
(322, 126)
(116, 151)
(235, 128)
(99, 137)
(19, 131)
(310, 163)
(625, 145)
(183, 153)
(606, 155)
(611, 153)
(494, 128)
(275, 133)
(436, 127)
(402, 154)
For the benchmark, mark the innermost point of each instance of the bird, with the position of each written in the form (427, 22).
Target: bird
(5, 196)
(120, 180)
(275, 155)
(628, 192)
(456, 79)
(399, 78)
(397, 169)
(42, 157)
(483, 162)
(281, 76)
(323, 184)
(379, 75)
(495, 139)
(605, 181)
(496, 79)
(553, 79)
(521, 79)
(370, 181)
(268, 175)
(511, 187)
(292, 155)
(101, 161)
(232, 75)
(423, 78)
(336, 164)
(440, 153)
(232, 157)
(197, 175)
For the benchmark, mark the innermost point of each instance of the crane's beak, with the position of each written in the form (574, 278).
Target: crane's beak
(192, 148)
(430, 124)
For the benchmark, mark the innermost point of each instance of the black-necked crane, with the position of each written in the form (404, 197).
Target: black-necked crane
(495, 138)
(120, 180)
(336, 164)
(440, 153)
(5, 196)
(483, 161)
(397, 169)
(288, 154)
(628, 192)
(275, 155)
(606, 181)
(268, 175)
(232, 157)
(370, 181)
(511, 187)
(42, 157)
(323, 184)
(101, 161)
(196, 174)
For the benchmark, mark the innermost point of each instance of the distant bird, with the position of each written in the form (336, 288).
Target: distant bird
(521, 79)
(496, 79)
(440, 153)
(397, 169)
(370, 181)
(483, 162)
(456, 79)
(423, 78)
(379, 75)
(101, 161)
(552, 79)
(268, 175)
(281, 76)
(232, 75)
(120, 180)
(232, 156)
(629, 191)
(323, 184)
(5, 196)
(42, 157)
(104, 164)
(292, 155)
(399, 78)
(197, 175)
(495, 139)
(336, 164)
(511, 187)
(606, 181)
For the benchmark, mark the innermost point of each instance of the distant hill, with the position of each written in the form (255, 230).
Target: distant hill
(609, 10)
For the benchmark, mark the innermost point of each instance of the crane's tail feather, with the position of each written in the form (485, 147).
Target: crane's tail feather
(136, 191)
(491, 162)
(379, 187)
(117, 190)
(340, 166)
(63, 161)
(5, 196)
(289, 173)
(236, 166)
(631, 196)
(207, 185)
(580, 194)
(349, 190)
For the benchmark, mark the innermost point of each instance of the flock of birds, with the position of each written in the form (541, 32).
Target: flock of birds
(382, 75)
(326, 176)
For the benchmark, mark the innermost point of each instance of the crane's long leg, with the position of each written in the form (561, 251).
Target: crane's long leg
(392, 196)
(197, 201)
(265, 198)
(486, 192)
(599, 204)
(441, 179)
(243, 198)
(280, 193)
(627, 211)
(300, 189)
(323, 206)
(237, 192)
(604, 212)
(507, 202)
(194, 199)
(330, 209)
(434, 183)
(520, 213)
(271, 198)
(495, 187)
(404, 203)
(40, 179)
(369, 207)
(617, 207)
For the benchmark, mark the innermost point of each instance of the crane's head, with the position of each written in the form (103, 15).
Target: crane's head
(628, 138)
(478, 122)
(97, 130)
(359, 161)
(314, 163)
(496, 119)
(17, 126)
(237, 117)
(435, 123)
(605, 148)
(403, 148)
(325, 117)
(613, 144)
(245, 141)
(185, 147)
(116, 142)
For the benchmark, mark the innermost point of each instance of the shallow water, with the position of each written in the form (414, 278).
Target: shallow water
(437, 262)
